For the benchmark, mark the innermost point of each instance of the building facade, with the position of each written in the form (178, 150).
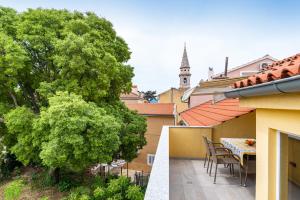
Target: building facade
(157, 115)
(275, 94)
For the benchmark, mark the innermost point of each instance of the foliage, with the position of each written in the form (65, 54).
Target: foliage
(149, 95)
(134, 193)
(13, 190)
(79, 193)
(19, 125)
(61, 75)
(44, 198)
(64, 186)
(132, 130)
(41, 180)
(8, 163)
(73, 134)
(119, 188)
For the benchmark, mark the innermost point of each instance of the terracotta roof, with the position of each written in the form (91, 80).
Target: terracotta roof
(208, 114)
(277, 70)
(153, 109)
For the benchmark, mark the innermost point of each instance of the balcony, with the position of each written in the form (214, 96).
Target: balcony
(178, 171)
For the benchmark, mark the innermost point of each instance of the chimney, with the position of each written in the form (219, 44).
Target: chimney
(226, 66)
(210, 73)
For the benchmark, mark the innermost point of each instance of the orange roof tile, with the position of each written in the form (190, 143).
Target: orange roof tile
(153, 109)
(208, 114)
(277, 70)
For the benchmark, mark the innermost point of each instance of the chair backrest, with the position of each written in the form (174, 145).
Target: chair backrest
(212, 150)
(206, 143)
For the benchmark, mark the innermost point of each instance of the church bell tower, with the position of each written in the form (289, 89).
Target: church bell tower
(184, 74)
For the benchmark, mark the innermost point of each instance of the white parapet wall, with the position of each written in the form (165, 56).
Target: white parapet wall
(158, 185)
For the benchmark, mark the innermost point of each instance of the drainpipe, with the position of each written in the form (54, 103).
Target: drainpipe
(286, 85)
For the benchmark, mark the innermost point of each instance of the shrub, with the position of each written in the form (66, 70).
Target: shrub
(99, 193)
(79, 193)
(64, 186)
(97, 181)
(134, 193)
(13, 190)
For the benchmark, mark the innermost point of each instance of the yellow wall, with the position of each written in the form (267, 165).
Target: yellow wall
(187, 142)
(274, 113)
(278, 101)
(154, 127)
(174, 96)
(241, 127)
(282, 120)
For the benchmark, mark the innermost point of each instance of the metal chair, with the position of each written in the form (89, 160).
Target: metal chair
(219, 149)
(227, 158)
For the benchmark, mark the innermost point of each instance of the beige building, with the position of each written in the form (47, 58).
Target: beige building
(133, 97)
(157, 116)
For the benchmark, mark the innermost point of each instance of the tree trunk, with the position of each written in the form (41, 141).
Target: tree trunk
(14, 98)
(55, 174)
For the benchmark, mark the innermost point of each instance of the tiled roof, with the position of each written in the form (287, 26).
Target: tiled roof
(277, 70)
(208, 114)
(153, 109)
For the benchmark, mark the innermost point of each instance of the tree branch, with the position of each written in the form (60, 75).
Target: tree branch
(14, 98)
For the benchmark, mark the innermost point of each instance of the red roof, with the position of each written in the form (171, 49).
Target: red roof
(153, 109)
(277, 70)
(208, 114)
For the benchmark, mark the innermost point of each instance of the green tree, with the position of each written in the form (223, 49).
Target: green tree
(61, 75)
(149, 95)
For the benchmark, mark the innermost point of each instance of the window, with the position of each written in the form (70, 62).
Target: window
(248, 73)
(184, 80)
(150, 159)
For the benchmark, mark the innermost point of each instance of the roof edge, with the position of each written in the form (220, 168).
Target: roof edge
(286, 85)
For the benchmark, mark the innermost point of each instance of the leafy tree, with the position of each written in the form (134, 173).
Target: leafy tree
(132, 130)
(149, 95)
(73, 134)
(61, 75)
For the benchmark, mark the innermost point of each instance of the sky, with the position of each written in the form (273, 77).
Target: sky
(156, 31)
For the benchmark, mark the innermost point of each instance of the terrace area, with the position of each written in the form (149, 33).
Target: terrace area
(189, 181)
(178, 172)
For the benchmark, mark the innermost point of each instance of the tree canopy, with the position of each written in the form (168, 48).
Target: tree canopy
(61, 75)
(149, 95)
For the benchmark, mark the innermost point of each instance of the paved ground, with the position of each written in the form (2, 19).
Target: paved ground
(189, 181)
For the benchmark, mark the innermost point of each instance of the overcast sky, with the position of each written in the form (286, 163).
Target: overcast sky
(156, 31)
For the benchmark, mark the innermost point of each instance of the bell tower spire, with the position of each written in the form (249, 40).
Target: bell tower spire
(184, 74)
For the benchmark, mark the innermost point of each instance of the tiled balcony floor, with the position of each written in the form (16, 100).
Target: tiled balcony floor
(189, 181)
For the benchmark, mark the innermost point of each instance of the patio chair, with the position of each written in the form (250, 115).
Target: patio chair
(227, 158)
(219, 149)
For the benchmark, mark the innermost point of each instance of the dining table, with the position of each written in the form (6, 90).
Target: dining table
(239, 147)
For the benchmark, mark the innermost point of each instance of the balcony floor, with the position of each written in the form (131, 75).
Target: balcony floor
(189, 181)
